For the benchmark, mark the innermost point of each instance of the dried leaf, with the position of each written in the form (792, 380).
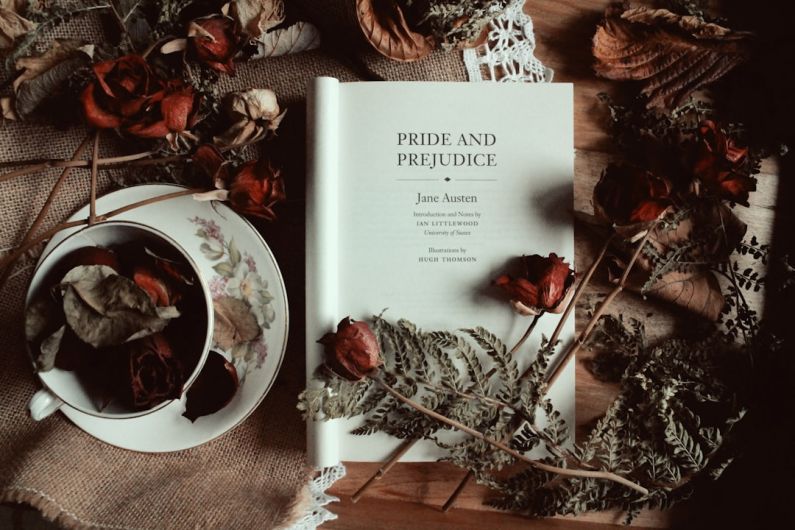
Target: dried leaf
(256, 16)
(49, 350)
(12, 23)
(697, 291)
(727, 230)
(672, 55)
(41, 318)
(106, 309)
(213, 389)
(385, 27)
(235, 322)
(299, 37)
(41, 75)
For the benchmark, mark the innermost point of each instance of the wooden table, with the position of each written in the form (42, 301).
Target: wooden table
(411, 495)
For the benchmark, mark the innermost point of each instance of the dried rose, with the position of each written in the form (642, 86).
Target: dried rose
(255, 188)
(352, 352)
(124, 88)
(626, 196)
(169, 116)
(154, 374)
(544, 286)
(720, 165)
(253, 113)
(215, 40)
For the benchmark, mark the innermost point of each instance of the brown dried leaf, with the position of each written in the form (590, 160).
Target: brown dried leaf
(697, 291)
(235, 323)
(12, 23)
(41, 75)
(715, 218)
(385, 27)
(256, 17)
(672, 55)
(106, 309)
(299, 37)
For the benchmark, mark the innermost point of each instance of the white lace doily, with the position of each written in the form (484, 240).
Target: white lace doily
(317, 514)
(506, 56)
(508, 53)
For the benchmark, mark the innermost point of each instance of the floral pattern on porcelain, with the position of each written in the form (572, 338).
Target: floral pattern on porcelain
(237, 276)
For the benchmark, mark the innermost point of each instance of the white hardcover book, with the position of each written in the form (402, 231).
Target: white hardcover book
(419, 194)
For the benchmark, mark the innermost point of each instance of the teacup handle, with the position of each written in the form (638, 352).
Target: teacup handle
(42, 404)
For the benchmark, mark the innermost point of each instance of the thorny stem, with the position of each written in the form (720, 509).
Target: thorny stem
(499, 445)
(408, 444)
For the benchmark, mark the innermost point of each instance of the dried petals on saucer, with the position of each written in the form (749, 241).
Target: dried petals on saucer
(213, 389)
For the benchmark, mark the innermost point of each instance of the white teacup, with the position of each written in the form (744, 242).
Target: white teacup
(64, 387)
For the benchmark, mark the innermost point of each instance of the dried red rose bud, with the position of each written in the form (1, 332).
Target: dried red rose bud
(352, 352)
(255, 188)
(173, 112)
(213, 389)
(215, 40)
(545, 285)
(627, 195)
(153, 375)
(124, 88)
(720, 165)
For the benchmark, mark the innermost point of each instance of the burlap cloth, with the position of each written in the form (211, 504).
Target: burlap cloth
(253, 476)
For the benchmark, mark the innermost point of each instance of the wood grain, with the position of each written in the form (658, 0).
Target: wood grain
(412, 494)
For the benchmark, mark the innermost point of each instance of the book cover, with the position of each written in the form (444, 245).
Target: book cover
(420, 194)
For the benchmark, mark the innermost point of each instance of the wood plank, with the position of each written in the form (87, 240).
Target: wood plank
(414, 492)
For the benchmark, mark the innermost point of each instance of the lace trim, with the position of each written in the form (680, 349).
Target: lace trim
(316, 513)
(508, 53)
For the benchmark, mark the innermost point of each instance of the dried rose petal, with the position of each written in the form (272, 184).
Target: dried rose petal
(213, 389)
(352, 352)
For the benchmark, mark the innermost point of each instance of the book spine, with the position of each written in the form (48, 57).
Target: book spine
(322, 278)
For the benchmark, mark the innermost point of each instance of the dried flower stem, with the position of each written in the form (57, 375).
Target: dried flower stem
(408, 444)
(499, 445)
(34, 227)
(92, 205)
(10, 259)
(135, 159)
(578, 343)
(561, 452)
(384, 469)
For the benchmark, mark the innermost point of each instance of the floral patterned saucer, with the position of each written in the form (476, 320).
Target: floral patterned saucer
(236, 262)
